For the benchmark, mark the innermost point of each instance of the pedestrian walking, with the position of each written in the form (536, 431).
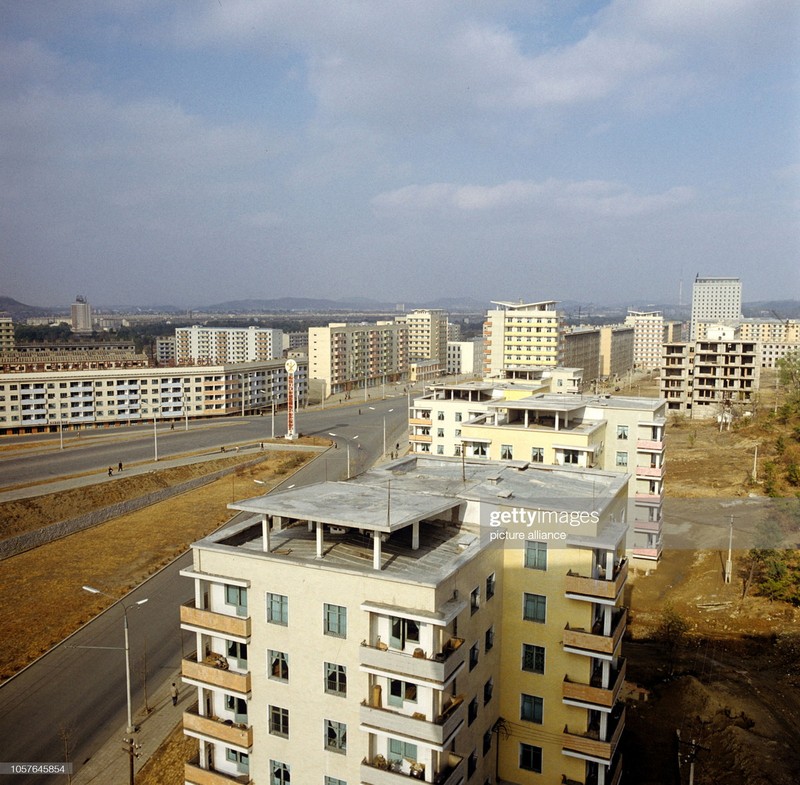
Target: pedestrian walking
(110, 472)
(119, 466)
(173, 691)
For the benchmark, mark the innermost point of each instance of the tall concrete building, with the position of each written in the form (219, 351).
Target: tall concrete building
(520, 335)
(81, 313)
(465, 358)
(650, 332)
(198, 345)
(7, 341)
(406, 626)
(427, 335)
(346, 357)
(715, 299)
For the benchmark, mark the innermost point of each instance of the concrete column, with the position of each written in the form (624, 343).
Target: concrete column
(415, 536)
(376, 550)
(265, 533)
(320, 542)
(277, 523)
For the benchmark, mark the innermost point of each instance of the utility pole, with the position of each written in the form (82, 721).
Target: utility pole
(729, 562)
(755, 464)
(132, 748)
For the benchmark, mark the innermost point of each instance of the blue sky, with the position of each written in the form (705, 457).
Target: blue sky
(194, 152)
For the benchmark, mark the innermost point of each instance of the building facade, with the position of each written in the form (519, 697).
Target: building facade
(465, 358)
(650, 332)
(427, 334)
(519, 336)
(81, 313)
(616, 350)
(199, 345)
(715, 299)
(383, 629)
(7, 341)
(46, 400)
(582, 350)
(346, 357)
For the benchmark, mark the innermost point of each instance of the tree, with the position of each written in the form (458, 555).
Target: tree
(789, 375)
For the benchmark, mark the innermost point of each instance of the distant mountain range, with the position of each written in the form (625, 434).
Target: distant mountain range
(783, 309)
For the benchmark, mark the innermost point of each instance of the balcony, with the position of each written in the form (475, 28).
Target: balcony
(655, 472)
(193, 774)
(437, 731)
(653, 554)
(613, 776)
(593, 693)
(438, 668)
(594, 642)
(650, 445)
(420, 421)
(588, 745)
(209, 672)
(648, 498)
(219, 623)
(420, 437)
(216, 730)
(378, 772)
(647, 526)
(580, 587)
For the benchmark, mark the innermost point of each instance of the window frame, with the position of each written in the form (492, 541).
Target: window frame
(334, 619)
(277, 609)
(539, 603)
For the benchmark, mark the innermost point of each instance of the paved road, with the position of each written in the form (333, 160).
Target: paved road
(81, 690)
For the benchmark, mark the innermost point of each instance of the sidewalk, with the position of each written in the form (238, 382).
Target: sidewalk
(110, 764)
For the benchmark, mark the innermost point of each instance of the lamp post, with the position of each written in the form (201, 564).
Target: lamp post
(125, 607)
(384, 427)
(347, 445)
(155, 436)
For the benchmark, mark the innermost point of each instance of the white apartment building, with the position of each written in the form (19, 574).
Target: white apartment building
(81, 313)
(378, 630)
(347, 357)
(465, 358)
(198, 345)
(41, 401)
(715, 299)
(617, 343)
(7, 341)
(650, 332)
(165, 350)
(515, 423)
(427, 334)
(522, 335)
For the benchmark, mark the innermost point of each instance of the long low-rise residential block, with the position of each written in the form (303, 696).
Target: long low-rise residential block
(437, 620)
(41, 401)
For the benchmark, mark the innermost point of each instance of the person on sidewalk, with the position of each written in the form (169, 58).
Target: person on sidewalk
(173, 690)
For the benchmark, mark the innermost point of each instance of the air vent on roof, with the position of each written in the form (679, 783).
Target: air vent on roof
(506, 494)
(494, 479)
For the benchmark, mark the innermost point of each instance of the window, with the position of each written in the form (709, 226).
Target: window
(489, 639)
(238, 651)
(279, 773)
(491, 583)
(439, 415)
(571, 457)
(474, 653)
(479, 450)
(475, 599)
(472, 763)
(440, 433)
(506, 452)
(472, 711)
(279, 721)
(536, 555)
(238, 706)
(401, 692)
(335, 679)
(530, 758)
(532, 658)
(241, 759)
(534, 607)
(622, 431)
(458, 416)
(335, 736)
(277, 608)
(537, 454)
(531, 708)
(400, 750)
(278, 665)
(334, 781)
(622, 459)
(487, 741)
(404, 631)
(488, 689)
(336, 620)
(237, 596)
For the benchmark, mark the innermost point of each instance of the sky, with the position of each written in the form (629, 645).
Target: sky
(190, 153)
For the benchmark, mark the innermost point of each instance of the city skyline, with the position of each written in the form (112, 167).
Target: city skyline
(196, 154)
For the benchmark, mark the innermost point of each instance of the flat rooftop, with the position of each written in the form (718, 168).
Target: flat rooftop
(566, 402)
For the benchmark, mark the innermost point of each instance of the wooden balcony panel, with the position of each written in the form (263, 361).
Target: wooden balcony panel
(438, 668)
(193, 774)
(225, 732)
(600, 696)
(214, 676)
(597, 587)
(215, 622)
(593, 641)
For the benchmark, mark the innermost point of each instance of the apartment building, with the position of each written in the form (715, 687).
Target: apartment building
(81, 315)
(650, 332)
(519, 336)
(616, 350)
(777, 338)
(715, 299)
(346, 357)
(710, 378)
(405, 625)
(465, 358)
(46, 400)
(617, 434)
(166, 350)
(427, 334)
(198, 345)
(582, 350)
(7, 341)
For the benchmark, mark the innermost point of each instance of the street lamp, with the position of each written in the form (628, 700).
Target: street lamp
(125, 607)
(155, 436)
(384, 427)
(347, 445)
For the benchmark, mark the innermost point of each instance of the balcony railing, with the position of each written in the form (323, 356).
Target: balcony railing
(420, 437)
(209, 672)
(438, 668)
(590, 745)
(592, 588)
(224, 731)
(648, 498)
(649, 444)
(378, 772)
(587, 642)
(436, 731)
(215, 622)
(194, 774)
(647, 526)
(650, 471)
(420, 421)
(648, 553)
(592, 692)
